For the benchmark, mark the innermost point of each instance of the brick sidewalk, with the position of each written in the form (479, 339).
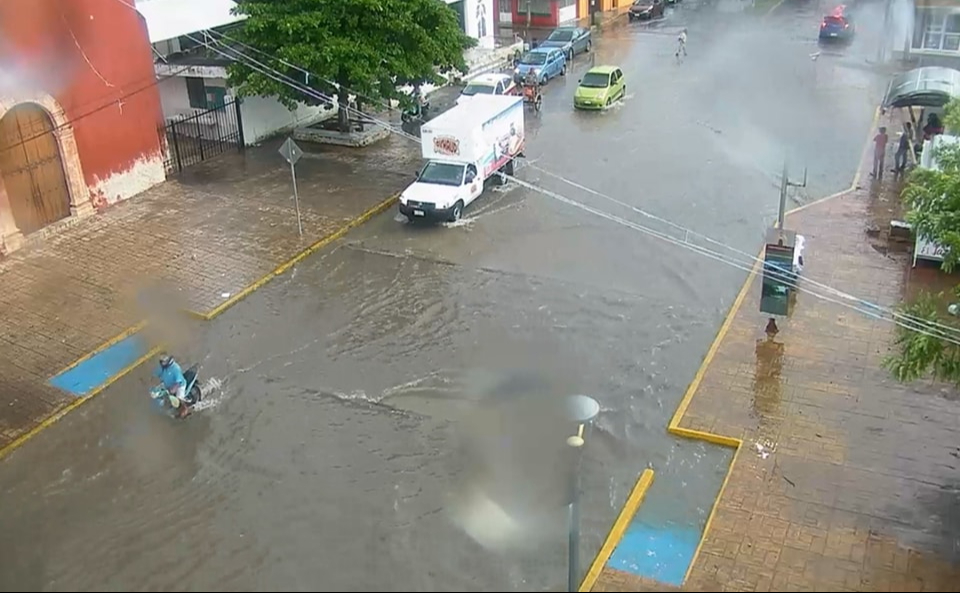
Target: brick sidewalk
(859, 491)
(215, 230)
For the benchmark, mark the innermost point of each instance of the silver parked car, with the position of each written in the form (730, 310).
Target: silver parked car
(572, 40)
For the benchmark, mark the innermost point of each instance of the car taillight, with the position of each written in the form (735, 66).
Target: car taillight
(823, 25)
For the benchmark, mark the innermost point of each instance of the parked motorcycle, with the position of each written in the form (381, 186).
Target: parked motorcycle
(169, 404)
(417, 112)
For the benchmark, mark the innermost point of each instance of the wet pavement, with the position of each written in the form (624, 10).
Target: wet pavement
(332, 451)
(846, 480)
(205, 236)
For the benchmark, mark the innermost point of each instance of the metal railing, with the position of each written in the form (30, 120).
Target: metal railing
(192, 139)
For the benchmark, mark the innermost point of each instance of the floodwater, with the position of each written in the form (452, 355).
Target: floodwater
(383, 418)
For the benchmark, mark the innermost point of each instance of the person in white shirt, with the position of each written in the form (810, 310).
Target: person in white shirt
(682, 43)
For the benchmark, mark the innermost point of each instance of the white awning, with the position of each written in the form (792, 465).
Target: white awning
(169, 19)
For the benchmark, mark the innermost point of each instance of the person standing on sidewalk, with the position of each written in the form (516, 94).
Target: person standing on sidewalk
(903, 148)
(879, 152)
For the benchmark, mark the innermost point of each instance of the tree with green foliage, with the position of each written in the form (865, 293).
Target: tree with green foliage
(365, 48)
(932, 199)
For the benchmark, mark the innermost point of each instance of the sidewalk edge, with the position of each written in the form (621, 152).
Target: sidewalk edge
(644, 481)
(59, 413)
(735, 443)
(311, 249)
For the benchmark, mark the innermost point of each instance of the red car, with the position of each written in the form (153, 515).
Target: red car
(642, 10)
(837, 26)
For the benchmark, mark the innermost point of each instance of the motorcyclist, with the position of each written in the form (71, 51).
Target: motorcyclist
(532, 80)
(175, 383)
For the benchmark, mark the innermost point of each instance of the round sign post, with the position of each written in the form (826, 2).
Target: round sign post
(582, 410)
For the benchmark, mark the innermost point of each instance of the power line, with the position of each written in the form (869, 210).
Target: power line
(941, 328)
(687, 231)
(155, 80)
(869, 309)
(918, 325)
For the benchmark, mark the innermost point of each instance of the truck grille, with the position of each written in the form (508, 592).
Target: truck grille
(421, 205)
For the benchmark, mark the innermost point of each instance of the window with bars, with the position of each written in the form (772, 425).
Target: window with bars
(202, 96)
(937, 29)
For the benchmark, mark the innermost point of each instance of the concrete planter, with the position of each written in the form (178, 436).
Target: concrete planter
(371, 134)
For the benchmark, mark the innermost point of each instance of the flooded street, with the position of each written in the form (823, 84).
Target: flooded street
(331, 456)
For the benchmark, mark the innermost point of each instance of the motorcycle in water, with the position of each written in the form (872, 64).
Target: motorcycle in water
(169, 403)
(417, 112)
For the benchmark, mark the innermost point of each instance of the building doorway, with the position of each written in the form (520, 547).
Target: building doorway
(32, 169)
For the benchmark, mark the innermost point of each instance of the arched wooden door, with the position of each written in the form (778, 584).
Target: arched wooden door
(31, 168)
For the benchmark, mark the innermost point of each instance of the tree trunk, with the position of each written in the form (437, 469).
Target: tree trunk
(343, 115)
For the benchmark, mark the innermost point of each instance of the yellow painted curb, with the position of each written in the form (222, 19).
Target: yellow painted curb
(319, 244)
(119, 337)
(57, 415)
(773, 8)
(619, 528)
(713, 512)
(60, 413)
(674, 427)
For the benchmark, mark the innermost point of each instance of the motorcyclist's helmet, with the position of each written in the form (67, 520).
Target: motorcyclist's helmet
(165, 361)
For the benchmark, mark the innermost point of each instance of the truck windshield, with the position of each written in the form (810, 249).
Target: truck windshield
(442, 174)
(478, 89)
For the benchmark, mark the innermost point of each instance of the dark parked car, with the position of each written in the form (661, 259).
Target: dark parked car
(572, 40)
(642, 10)
(837, 26)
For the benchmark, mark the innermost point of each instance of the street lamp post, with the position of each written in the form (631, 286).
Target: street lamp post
(583, 409)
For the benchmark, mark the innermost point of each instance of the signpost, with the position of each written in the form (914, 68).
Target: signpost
(582, 409)
(292, 153)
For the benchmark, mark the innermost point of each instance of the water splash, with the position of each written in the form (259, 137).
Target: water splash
(210, 386)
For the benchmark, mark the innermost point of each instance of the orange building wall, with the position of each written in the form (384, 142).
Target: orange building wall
(94, 58)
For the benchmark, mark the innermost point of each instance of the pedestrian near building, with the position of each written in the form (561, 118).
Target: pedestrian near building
(879, 152)
(903, 149)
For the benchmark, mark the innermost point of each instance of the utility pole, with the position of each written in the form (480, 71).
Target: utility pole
(529, 17)
(575, 442)
(886, 33)
(778, 260)
(583, 409)
(785, 184)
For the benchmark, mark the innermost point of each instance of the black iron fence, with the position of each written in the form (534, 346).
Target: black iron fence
(195, 138)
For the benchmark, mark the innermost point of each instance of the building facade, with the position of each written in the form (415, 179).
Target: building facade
(78, 112)
(931, 33)
(546, 13)
(555, 13)
(192, 75)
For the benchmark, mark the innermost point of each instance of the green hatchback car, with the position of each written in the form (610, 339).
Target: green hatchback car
(599, 88)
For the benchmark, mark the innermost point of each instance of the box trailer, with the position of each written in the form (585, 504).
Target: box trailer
(464, 147)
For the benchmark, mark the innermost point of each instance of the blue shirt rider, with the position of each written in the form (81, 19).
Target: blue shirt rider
(174, 382)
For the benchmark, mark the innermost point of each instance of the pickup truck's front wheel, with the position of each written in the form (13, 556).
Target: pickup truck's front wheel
(457, 211)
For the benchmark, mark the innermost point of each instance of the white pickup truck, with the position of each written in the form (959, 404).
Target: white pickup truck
(464, 147)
